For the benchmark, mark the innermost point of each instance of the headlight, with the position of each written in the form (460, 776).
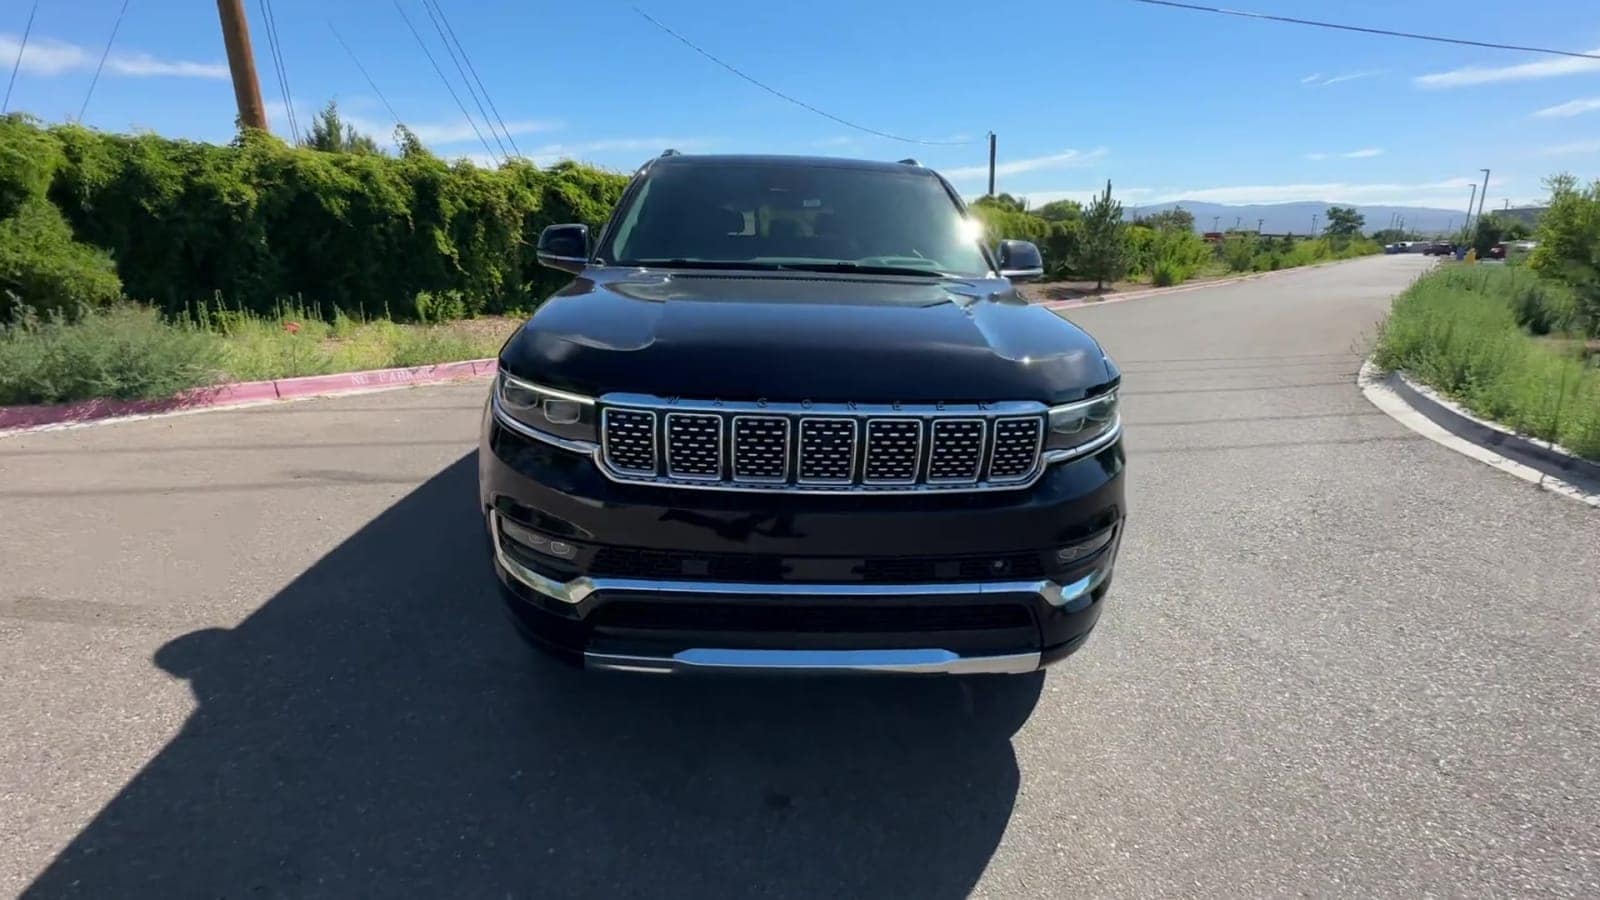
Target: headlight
(1078, 428)
(543, 411)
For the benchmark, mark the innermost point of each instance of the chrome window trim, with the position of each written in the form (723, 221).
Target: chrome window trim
(656, 439)
(916, 457)
(733, 450)
(855, 452)
(1038, 447)
(666, 439)
(977, 466)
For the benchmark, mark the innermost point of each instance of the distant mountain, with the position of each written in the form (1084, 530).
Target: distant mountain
(1295, 218)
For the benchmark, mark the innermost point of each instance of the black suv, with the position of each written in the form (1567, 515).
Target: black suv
(790, 414)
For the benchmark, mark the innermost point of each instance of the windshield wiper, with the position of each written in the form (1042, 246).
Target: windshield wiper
(862, 269)
(681, 263)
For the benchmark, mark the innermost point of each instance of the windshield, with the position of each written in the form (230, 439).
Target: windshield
(771, 215)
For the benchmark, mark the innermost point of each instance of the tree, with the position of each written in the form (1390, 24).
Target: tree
(331, 134)
(1344, 221)
(1569, 242)
(1175, 219)
(1060, 211)
(1102, 253)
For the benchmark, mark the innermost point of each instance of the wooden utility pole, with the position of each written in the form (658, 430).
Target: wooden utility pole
(242, 63)
(991, 164)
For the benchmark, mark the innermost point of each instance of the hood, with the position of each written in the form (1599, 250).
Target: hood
(793, 337)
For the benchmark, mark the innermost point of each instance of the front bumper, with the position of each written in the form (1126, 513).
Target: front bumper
(665, 580)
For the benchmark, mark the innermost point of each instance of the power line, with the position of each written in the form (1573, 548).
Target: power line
(282, 73)
(781, 95)
(103, 54)
(370, 83)
(428, 8)
(453, 96)
(21, 49)
(1245, 14)
(474, 70)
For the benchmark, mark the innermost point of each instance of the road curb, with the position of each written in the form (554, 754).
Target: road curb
(1193, 286)
(21, 419)
(1425, 412)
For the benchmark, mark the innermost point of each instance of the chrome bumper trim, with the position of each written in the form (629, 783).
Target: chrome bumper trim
(578, 589)
(918, 661)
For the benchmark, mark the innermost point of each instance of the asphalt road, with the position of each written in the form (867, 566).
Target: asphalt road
(257, 653)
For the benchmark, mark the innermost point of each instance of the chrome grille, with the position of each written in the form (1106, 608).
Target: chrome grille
(894, 447)
(760, 448)
(694, 446)
(821, 447)
(1016, 447)
(630, 440)
(956, 450)
(827, 451)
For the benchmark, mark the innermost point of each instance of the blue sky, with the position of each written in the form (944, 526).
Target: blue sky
(1167, 103)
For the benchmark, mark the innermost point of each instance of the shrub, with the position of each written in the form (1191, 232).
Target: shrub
(1239, 252)
(1457, 330)
(1165, 273)
(1569, 245)
(44, 269)
(258, 221)
(124, 351)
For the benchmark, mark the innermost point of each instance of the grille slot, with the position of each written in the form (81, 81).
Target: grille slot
(894, 447)
(630, 437)
(694, 446)
(955, 452)
(1016, 447)
(760, 448)
(827, 451)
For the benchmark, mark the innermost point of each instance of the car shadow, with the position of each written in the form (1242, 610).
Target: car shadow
(377, 729)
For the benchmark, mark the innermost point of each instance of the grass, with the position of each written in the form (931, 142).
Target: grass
(130, 352)
(1460, 330)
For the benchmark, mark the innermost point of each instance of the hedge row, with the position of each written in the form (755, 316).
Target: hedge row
(255, 222)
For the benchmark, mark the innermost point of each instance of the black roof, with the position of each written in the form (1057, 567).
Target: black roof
(726, 159)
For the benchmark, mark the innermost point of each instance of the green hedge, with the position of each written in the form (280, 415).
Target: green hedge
(255, 222)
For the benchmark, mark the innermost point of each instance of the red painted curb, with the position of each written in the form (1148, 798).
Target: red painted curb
(23, 418)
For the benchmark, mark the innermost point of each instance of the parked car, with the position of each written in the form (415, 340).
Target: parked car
(1439, 248)
(791, 414)
(1498, 251)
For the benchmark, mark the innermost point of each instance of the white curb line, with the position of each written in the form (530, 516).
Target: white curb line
(1379, 390)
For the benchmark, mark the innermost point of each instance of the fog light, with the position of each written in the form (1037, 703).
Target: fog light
(1087, 547)
(535, 541)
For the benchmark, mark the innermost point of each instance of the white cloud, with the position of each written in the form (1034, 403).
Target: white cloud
(1430, 193)
(1363, 153)
(1569, 109)
(47, 56)
(1062, 160)
(1545, 68)
(1576, 148)
(1319, 80)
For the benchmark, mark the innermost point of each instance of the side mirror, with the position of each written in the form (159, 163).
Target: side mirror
(564, 247)
(1020, 261)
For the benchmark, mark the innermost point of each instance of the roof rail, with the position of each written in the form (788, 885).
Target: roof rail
(909, 161)
(670, 152)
